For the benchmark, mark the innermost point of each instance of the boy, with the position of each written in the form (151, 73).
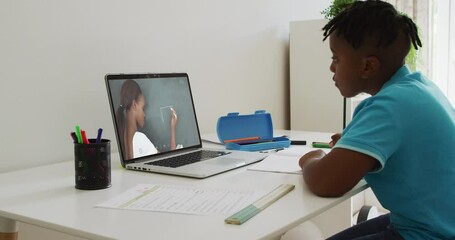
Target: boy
(401, 139)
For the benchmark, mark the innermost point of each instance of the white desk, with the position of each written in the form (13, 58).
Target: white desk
(46, 197)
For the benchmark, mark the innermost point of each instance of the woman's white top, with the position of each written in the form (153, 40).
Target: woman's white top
(142, 146)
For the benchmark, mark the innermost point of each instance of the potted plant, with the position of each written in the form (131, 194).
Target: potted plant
(336, 7)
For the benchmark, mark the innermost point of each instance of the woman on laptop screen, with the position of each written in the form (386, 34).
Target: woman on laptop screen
(130, 116)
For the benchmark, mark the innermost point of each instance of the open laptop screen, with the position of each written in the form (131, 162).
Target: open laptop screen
(144, 107)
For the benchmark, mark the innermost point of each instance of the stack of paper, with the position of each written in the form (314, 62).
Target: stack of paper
(285, 161)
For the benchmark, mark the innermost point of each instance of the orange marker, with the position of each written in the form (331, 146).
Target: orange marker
(241, 139)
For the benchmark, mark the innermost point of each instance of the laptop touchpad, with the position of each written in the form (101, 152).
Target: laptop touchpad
(226, 161)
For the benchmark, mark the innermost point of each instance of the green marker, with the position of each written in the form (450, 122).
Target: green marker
(78, 134)
(320, 145)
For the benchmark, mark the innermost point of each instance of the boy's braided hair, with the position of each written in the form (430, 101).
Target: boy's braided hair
(372, 18)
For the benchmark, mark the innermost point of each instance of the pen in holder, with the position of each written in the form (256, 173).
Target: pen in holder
(93, 164)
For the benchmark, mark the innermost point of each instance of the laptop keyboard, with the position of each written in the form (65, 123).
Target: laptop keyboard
(188, 158)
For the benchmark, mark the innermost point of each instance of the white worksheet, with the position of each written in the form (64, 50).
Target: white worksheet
(183, 199)
(285, 161)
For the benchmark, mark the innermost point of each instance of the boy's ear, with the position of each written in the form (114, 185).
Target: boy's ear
(371, 65)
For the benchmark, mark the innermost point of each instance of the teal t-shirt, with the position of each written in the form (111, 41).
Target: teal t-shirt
(409, 127)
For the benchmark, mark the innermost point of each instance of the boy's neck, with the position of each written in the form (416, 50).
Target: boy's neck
(382, 78)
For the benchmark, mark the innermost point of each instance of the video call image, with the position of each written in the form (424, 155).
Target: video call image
(153, 115)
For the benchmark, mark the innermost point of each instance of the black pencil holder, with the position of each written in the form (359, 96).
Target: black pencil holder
(93, 164)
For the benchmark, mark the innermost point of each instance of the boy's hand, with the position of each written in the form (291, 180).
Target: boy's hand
(335, 138)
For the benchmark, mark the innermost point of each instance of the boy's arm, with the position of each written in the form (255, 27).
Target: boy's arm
(335, 173)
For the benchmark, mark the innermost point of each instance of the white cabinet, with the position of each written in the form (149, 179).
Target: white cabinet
(316, 104)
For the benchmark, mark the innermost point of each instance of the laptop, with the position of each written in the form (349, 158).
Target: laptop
(157, 130)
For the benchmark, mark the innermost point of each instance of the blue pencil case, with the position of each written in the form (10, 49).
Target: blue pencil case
(251, 132)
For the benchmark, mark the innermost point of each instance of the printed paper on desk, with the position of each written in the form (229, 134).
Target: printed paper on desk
(285, 161)
(183, 199)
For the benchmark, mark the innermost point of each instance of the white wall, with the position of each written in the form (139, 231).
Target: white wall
(55, 53)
